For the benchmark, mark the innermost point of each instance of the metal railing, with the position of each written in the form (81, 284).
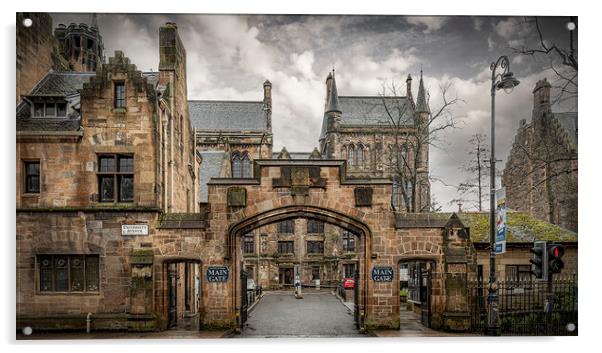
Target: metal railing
(522, 306)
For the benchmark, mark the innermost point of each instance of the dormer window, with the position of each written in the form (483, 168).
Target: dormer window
(50, 110)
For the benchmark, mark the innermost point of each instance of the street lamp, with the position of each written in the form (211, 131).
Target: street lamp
(506, 81)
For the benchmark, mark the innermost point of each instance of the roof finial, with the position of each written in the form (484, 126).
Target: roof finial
(421, 104)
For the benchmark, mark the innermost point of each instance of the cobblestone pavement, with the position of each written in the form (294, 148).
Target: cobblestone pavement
(318, 314)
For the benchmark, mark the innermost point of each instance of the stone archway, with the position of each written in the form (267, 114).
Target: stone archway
(325, 215)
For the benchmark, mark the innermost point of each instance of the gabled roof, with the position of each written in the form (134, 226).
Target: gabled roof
(370, 110)
(227, 115)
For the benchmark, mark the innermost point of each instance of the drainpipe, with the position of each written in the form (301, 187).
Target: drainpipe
(88, 321)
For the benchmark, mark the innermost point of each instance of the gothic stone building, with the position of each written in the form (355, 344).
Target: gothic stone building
(143, 210)
(540, 176)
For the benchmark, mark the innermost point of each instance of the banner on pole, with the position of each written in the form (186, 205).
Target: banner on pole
(500, 222)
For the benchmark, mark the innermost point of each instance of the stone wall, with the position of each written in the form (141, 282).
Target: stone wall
(541, 175)
(36, 51)
(180, 159)
(521, 256)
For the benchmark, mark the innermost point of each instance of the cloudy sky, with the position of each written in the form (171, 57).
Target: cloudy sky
(229, 57)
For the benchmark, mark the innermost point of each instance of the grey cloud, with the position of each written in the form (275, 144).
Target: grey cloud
(229, 57)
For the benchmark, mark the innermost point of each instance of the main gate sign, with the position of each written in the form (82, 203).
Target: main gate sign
(382, 274)
(217, 274)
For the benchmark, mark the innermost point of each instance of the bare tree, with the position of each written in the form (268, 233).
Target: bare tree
(413, 135)
(563, 59)
(473, 190)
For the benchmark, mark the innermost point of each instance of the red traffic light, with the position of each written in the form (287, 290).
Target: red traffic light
(556, 251)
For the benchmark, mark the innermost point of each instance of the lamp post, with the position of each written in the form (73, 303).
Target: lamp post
(506, 81)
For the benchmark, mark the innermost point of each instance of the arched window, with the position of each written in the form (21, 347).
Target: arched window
(241, 165)
(236, 165)
(367, 161)
(246, 166)
(351, 155)
(360, 155)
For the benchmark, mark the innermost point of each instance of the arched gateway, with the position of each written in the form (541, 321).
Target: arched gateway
(320, 190)
(308, 212)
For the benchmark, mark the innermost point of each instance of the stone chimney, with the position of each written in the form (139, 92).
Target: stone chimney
(409, 89)
(267, 102)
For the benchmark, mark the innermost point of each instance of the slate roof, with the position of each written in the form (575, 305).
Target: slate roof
(211, 167)
(370, 110)
(227, 115)
(59, 83)
(55, 83)
(568, 121)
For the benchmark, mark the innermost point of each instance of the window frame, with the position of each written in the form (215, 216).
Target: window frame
(315, 226)
(311, 245)
(117, 175)
(26, 176)
(348, 237)
(285, 245)
(523, 274)
(119, 103)
(284, 226)
(248, 244)
(86, 277)
(46, 105)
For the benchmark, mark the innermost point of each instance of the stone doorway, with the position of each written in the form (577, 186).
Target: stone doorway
(286, 276)
(286, 273)
(183, 294)
(415, 292)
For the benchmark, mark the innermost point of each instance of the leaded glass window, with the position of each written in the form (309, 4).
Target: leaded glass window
(315, 247)
(68, 273)
(286, 227)
(315, 226)
(116, 178)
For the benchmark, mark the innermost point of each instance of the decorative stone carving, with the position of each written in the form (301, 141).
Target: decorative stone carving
(237, 197)
(363, 196)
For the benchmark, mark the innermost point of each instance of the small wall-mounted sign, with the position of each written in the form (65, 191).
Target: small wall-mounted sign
(134, 229)
(382, 274)
(217, 274)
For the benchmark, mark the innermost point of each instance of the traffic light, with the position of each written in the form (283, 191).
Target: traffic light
(540, 259)
(555, 253)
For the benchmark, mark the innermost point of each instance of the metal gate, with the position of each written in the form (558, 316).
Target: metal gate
(244, 303)
(172, 277)
(356, 300)
(425, 296)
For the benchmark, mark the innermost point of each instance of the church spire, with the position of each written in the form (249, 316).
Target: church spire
(333, 97)
(421, 106)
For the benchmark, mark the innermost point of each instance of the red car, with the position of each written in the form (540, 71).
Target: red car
(348, 283)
